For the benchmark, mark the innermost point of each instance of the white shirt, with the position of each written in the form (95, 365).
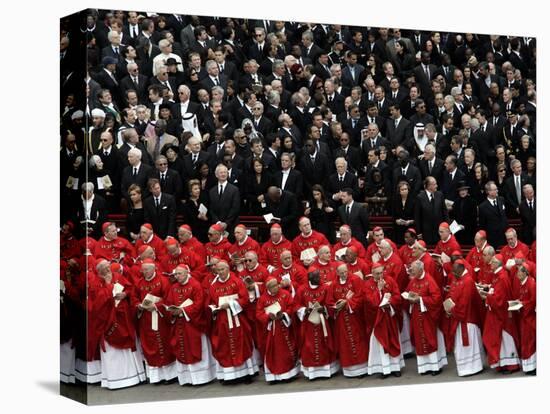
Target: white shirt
(285, 177)
(88, 206)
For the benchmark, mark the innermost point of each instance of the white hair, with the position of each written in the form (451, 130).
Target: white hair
(88, 186)
(136, 152)
(92, 162)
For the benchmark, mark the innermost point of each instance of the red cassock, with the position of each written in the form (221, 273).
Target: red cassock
(185, 335)
(259, 275)
(497, 317)
(270, 253)
(446, 247)
(528, 318)
(348, 324)
(463, 293)
(406, 254)
(156, 243)
(154, 343)
(393, 268)
(485, 274)
(279, 347)
(373, 249)
(430, 267)
(220, 249)
(69, 247)
(358, 267)
(94, 323)
(316, 349)
(533, 252)
(508, 252)
(448, 272)
(424, 324)
(326, 270)
(381, 321)
(296, 272)
(230, 346)
(169, 262)
(361, 252)
(116, 323)
(301, 243)
(194, 245)
(249, 245)
(514, 281)
(475, 258)
(111, 249)
(134, 271)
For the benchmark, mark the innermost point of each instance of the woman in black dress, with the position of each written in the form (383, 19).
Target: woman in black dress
(102, 179)
(289, 146)
(256, 182)
(321, 214)
(171, 152)
(197, 220)
(404, 60)
(465, 213)
(134, 217)
(481, 177)
(206, 177)
(402, 211)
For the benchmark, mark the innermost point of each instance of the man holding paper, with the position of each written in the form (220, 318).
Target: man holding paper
(527, 298)
(346, 241)
(500, 334)
(291, 274)
(121, 362)
(462, 307)
(307, 239)
(273, 318)
(345, 305)
(188, 341)
(424, 297)
(177, 255)
(317, 349)
(243, 243)
(110, 246)
(512, 248)
(383, 313)
(154, 324)
(231, 335)
(271, 250)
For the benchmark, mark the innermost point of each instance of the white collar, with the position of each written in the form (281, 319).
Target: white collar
(244, 241)
(342, 282)
(482, 247)
(312, 286)
(272, 242)
(308, 235)
(422, 275)
(498, 269)
(255, 267)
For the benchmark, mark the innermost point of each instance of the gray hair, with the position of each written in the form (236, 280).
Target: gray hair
(273, 97)
(92, 162)
(88, 186)
(210, 63)
(136, 152)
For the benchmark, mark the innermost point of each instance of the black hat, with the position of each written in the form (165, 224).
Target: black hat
(164, 105)
(462, 186)
(171, 61)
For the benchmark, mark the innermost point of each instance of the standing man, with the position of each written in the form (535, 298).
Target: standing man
(355, 215)
(527, 296)
(160, 210)
(429, 211)
(225, 201)
(492, 216)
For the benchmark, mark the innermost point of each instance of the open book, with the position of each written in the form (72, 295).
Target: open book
(340, 253)
(385, 299)
(226, 299)
(514, 305)
(273, 309)
(448, 305)
(405, 295)
(314, 317)
(454, 227)
(187, 302)
(149, 300)
(308, 254)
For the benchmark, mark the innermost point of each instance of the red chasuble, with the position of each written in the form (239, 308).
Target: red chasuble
(270, 253)
(301, 243)
(528, 318)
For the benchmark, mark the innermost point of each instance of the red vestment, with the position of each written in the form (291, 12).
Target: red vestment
(154, 343)
(279, 346)
(497, 317)
(316, 349)
(249, 245)
(185, 335)
(528, 318)
(349, 325)
(475, 258)
(424, 324)
(327, 271)
(405, 253)
(270, 253)
(231, 346)
(508, 252)
(156, 243)
(393, 268)
(301, 243)
(111, 249)
(169, 262)
(219, 249)
(533, 252)
(359, 266)
(381, 321)
(361, 252)
(194, 245)
(373, 249)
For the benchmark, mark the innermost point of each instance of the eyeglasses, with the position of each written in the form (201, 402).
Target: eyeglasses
(247, 260)
(193, 74)
(161, 164)
(256, 109)
(259, 34)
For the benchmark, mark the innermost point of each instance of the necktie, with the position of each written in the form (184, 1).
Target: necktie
(518, 188)
(531, 205)
(194, 158)
(495, 203)
(330, 98)
(163, 178)
(348, 210)
(404, 171)
(260, 48)
(430, 166)
(217, 82)
(221, 191)
(353, 123)
(379, 104)
(105, 153)
(427, 71)
(394, 95)
(221, 68)
(312, 159)
(431, 198)
(136, 82)
(157, 202)
(341, 178)
(135, 171)
(134, 31)
(116, 51)
(396, 123)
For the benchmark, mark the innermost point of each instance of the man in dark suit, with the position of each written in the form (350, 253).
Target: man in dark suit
(351, 154)
(91, 212)
(106, 77)
(407, 172)
(430, 165)
(352, 71)
(214, 78)
(335, 100)
(261, 123)
(451, 177)
(170, 180)
(492, 216)
(283, 205)
(135, 81)
(130, 138)
(430, 211)
(160, 210)
(111, 160)
(288, 178)
(225, 200)
(354, 215)
(424, 73)
(309, 49)
(195, 157)
(146, 52)
(513, 188)
(184, 105)
(135, 173)
(315, 167)
(528, 214)
(341, 179)
(396, 126)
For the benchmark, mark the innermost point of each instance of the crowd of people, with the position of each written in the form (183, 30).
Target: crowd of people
(202, 120)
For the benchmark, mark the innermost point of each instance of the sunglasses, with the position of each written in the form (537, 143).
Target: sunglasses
(247, 260)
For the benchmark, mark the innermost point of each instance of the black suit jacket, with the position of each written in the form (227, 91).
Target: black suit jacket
(352, 156)
(334, 185)
(358, 220)
(509, 191)
(144, 173)
(225, 209)
(288, 210)
(163, 218)
(494, 222)
(528, 221)
(438, 167)
(413, 178)
(172, 184)
(141, 89)
(189, 167)
(397, 136)
(428, 216)
(98, 213)
(448, 186)
(314, 173)
(208, 83)
(294, 182)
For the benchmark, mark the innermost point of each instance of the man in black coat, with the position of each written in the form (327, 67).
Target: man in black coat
(194, 158)
(407, 172)
(170, 180)
(160, 210)
(528, 214)
(283, 205)
(341, 180)
(396, 126)
(492, 216)
(451, 177)
(430, 211)
(289, 179)
(315, 167)
(225, 200)
(351, 154)
(135, 173)
(430, 164)
(354, 215)
(513, 188)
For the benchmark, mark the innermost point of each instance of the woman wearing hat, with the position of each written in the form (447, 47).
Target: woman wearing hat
(465, 213)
